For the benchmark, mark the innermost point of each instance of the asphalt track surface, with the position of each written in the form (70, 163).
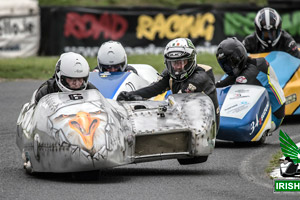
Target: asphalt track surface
(231, 172)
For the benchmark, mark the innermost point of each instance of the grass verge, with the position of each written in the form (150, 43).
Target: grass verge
(42, 67)
(274, 162)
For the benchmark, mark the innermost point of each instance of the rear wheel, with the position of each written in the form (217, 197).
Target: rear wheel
(195, 160)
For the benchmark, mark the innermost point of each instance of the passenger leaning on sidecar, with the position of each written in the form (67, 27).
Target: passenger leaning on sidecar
(112, 57)
(71, 73)
(182, 75)
(268, 35)
(241, 69)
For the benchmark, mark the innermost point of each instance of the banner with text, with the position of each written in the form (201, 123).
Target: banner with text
(148, 30)
(19, 28)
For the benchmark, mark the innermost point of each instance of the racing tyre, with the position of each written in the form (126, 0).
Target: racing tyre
(262, 140)
(195, 160)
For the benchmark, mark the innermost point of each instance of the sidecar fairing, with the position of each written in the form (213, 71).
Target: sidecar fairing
(245, 113)
(82, 131)
(110, 84)
(287, 69)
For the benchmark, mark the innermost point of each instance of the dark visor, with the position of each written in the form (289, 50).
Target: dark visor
(227, 67)
(269, 34)
(111, 67)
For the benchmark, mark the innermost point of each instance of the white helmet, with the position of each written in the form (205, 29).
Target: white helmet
(112, 54)
(71, 65)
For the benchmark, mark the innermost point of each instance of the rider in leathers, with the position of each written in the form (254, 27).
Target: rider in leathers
(192, 78)
(268, 35)
(70, 67)
(241, 69)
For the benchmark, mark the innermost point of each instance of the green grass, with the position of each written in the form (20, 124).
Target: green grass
(274, 162)
(43, 67)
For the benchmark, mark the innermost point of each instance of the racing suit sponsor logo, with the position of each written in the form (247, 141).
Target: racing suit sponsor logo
(191, 88)
(241, 79)
(292, 45)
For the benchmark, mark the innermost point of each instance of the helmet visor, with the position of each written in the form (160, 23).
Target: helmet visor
(178, 65)
(226, 65)
(74, 83)
(179, 68)
(112, 68)
(269, 35)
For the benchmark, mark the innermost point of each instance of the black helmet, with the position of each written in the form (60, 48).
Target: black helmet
(180, 50)
(232, 56)
(268, 27)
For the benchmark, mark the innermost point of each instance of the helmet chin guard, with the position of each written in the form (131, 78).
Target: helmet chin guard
(268, 27)
(180, 50)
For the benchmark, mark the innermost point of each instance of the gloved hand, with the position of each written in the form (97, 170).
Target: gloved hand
(128, 96)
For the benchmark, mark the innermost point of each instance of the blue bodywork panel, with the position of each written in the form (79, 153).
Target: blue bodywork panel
(284, 65)
(108, 83)
(245, 129)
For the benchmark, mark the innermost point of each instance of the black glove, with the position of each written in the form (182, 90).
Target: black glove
(128, 96)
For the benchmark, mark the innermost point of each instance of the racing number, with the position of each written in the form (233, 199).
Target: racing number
(75, 96)
(254, 124)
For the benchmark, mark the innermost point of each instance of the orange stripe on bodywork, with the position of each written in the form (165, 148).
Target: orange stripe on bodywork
(259, 55)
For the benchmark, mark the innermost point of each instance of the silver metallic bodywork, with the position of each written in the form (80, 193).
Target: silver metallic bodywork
(82, 131)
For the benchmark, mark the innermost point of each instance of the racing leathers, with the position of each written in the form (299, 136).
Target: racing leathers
(202, 80)
(259, 72)
(286, 43)
(50, 86)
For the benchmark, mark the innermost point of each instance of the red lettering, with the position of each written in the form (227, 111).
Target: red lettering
(71, 26)
(119, 27)
(83, 26)
(103, 25)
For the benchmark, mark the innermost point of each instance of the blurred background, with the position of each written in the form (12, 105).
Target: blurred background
(34, 33)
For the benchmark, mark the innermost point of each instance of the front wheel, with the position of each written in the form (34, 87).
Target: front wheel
(195, 160)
